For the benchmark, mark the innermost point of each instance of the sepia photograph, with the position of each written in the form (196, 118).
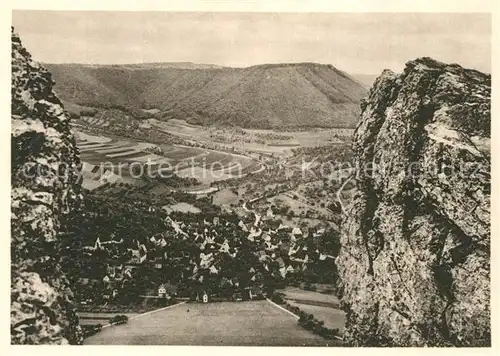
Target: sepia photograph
(317, 179)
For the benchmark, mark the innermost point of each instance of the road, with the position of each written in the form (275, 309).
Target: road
(253, 323)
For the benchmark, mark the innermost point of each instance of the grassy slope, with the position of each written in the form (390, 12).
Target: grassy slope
(292, 95)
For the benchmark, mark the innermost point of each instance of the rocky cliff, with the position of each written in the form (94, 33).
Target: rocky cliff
(44, 189)
(415, 258)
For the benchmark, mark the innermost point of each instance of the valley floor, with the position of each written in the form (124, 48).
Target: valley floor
(255, 323)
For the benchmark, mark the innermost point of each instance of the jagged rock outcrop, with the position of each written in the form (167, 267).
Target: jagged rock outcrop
(45, 168)
(415, 257)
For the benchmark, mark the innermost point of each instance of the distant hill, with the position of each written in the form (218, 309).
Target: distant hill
(157, 65)
(366, 79)
(263, 96)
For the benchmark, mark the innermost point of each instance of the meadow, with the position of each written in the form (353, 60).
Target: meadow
(121, 155)
(255, 323)
(259, 141)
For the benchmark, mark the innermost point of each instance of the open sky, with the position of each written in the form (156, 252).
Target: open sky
(362, 43)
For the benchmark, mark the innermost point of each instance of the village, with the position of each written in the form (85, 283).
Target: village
(211, 263)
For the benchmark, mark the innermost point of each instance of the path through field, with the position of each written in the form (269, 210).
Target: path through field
(256, 323)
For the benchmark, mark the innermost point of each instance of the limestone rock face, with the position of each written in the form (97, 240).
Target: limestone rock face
(415, 257)
(45, 168)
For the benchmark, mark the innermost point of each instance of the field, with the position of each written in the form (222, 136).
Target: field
(182, 207)
(325, 307)
(296, 205)
(298, 294)
(123, 156)
(258, 141)
(226, 197)
(256, 323)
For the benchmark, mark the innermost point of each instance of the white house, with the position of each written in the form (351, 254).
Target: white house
(162, 291)
(167, 290)
(204, 297)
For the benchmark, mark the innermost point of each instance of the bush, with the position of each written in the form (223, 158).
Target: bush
(88, 112)
(278, 298)
(309, 287)
(309, 322)
(118, 319)
(89, 330)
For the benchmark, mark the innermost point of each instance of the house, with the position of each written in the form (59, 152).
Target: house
(248, 293)
(238, 296)
(110, 294)
(167, 290)
(283, 227)
(83, 281)
(255, 292)
(97, 244)
(138, 255)
(158, 263)
(204, 297)
(199, 294)
(128, 272)
(319, 232)
(135, 257)
(162, 291)
(111, 271)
